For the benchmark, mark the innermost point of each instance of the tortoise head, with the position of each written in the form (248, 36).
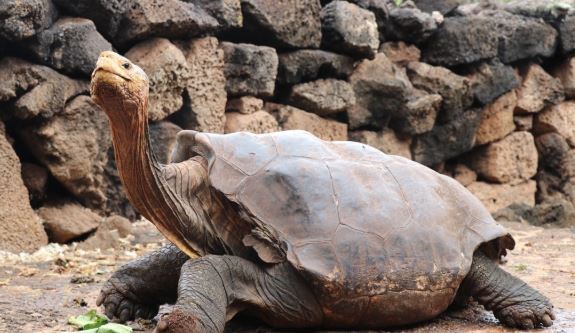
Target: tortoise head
(119, 87)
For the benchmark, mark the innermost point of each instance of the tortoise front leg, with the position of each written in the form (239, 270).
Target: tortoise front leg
(213, 289)
(512, 301)
(137, 289)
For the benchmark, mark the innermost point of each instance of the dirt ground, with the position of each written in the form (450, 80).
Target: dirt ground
(39, 292)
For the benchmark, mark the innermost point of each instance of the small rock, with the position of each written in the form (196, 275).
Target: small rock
(257, 122)
(323, 97)
(523, 122)
(349, 29)
(162, 139)
(308, 65)
(498, 196)
(386, 141)
(461, 40)
(497, 120)
(72, 45)
(291, 24)
(400, 53)
(558, 212)
(455, 90)
(119, 223)
(447, 140)
(291, 118)
(108, 234)
(23, 19)
(35, 179)
(410, 25)
(227, 12)
(566, 73)
(205, 102)
(558, 118)
(68, 221)
(442, 6)
(537, 90)
(245, 105)
(250, 69)
(419, 114)
(510, 160)
(464, 175)
(167, 71)
(492, 79)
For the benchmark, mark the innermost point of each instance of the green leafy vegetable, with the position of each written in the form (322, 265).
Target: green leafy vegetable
(88, 320)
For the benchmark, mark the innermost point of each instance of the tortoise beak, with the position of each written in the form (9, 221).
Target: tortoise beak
(110, 62)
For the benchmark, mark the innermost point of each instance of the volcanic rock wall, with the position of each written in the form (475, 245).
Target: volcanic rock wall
(480, 92)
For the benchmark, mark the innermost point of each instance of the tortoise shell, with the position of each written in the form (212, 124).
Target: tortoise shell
(366, 229)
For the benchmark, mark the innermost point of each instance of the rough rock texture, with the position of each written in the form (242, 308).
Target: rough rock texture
(419, 114)
(108, 234)
(410, 24)
(386, 141)
(205, 102)
(41, 90)
(72, 45)
(250, 69)
(567, 34)
(35, 178)
(498, 196)
(566, 73)
(68, 221)
(537, 90)
(163, 18)
(558, 212)
(245, 105)
(380, 8)
(442, 6)
(291, 118)
(461, 40)
(381, 89)
(553, 150)
(497, 120)
(455, 90)
(523, 122)
(323, 97)
(448, 140)
(400, 52)
(163, 138)
(227, 12)
(558, 118)
(168, 72)
(20, 228)
(490, 80)
(463, 174)
(510, 160)
(257, 122)
(24, 18)
(287, 23)
(308, 65)
(350, 29)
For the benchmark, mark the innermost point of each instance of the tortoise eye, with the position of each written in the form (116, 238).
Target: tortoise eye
(126, 65)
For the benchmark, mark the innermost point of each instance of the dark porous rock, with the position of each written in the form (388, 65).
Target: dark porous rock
(68, 221)
(349, 29)
(227, 12)
(567, 34)
(250, 69)
(442, 6)
(163, 18)
(308, 65)
(168, 72)
(455, 90)
(106, 14)
(410, 25)
(558, 212)
(287, 23)
(323, 97)
(419, 114)
(448, 140)
(72, 45)
(21, 19)
(552, 149)
(380, 8)
(35, 179)
(489, 80)
(40, 90)
(515, 212)
(521, 37)
(20, 228)
(381, 89)
(461, 40)
(162, 139)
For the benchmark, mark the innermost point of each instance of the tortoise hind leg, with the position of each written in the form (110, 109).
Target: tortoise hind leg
(512, 301)
(212, 289)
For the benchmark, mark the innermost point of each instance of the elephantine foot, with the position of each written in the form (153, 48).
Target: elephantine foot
(179, 321)
(120, 301)
(527, 314)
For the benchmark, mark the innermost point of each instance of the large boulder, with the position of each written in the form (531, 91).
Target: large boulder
(291, 118)
(308, 65)
(20, 228)
(419, 114)
(287, 23)
(250, 69)
(386, 141)
(205, 104)
(257, 122)
(510, 160)
(559, 118)
(489, 80)
(538, 89)
(72, 45)
(227, 12)
(22, 19)
(350, 29)
(497, 120)
(40, 90)
(410, 25)
(323, 97)
(68, 221)
(168, 72)
(461, 40)
(380, 8)
(498, 196)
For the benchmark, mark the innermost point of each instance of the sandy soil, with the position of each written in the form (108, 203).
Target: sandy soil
(39, 292)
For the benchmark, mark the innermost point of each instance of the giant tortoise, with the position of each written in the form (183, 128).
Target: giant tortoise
(297, 231)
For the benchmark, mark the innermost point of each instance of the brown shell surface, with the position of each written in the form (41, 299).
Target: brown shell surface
(366, 229)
